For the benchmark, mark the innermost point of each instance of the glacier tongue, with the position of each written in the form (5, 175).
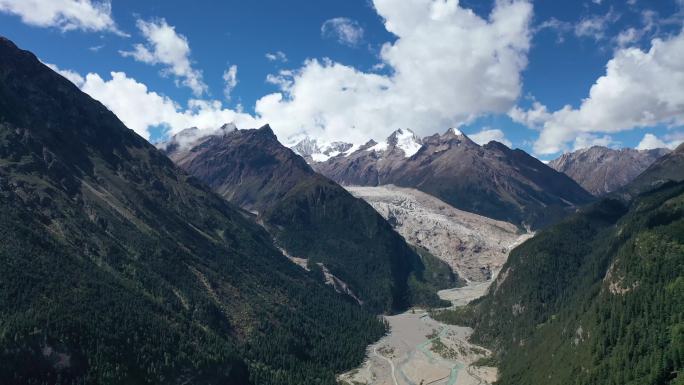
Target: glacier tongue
(475, 247)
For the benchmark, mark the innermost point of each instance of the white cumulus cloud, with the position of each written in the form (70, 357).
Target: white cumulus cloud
(230, 78)
(595, 26)
(345, 31)
(487, 135)
(167, 47)
(140, 109)
(534, 117)
(639, 89)
(447, 66)
(585, 140)
(650, 141)
(277, 56)
(66, 15)
(72, 76)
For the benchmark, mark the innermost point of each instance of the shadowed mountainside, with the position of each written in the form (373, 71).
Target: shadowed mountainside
(312, 217)
(490, 180)
(117, 267)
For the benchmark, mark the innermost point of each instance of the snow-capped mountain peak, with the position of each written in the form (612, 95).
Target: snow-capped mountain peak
(228, 127)
(305, 147)
(319, 151)
(380, 147)
(454, 131)
(405, 140)
(402, 139)
(457, 135)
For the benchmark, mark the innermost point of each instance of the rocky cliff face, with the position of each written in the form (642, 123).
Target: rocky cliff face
(490, 180)
(474, 246)
(371, 163)
(248, 167)
(668, 168)
(602, 170)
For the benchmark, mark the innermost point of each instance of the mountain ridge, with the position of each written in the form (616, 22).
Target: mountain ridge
(490, 180)
(602, 170)
(118, 267)
(309, 215)
(598, 297)
(667, 167)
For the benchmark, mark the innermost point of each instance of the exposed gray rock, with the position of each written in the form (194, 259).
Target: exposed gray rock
(601, 170)
(669, 168)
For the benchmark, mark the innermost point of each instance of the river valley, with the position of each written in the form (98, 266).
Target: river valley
(422, 351)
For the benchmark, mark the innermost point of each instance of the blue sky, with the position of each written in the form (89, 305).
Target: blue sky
(553, 52)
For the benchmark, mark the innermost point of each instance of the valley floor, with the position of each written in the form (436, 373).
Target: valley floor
(421, 351)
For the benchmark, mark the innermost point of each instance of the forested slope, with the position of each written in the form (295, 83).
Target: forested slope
(117, 267)
(596, 299)
(313, 217)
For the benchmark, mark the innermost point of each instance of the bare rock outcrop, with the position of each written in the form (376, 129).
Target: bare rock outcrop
(601, 170)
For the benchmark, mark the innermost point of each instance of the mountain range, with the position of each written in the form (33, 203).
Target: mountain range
(225, 257)
(310, 216)
(667, 168)
(601, 170)
(490, 180)
(597, 298)
(314, 151)
(118, 267)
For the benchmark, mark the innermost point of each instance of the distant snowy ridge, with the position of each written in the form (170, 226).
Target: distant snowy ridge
(317, 151)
